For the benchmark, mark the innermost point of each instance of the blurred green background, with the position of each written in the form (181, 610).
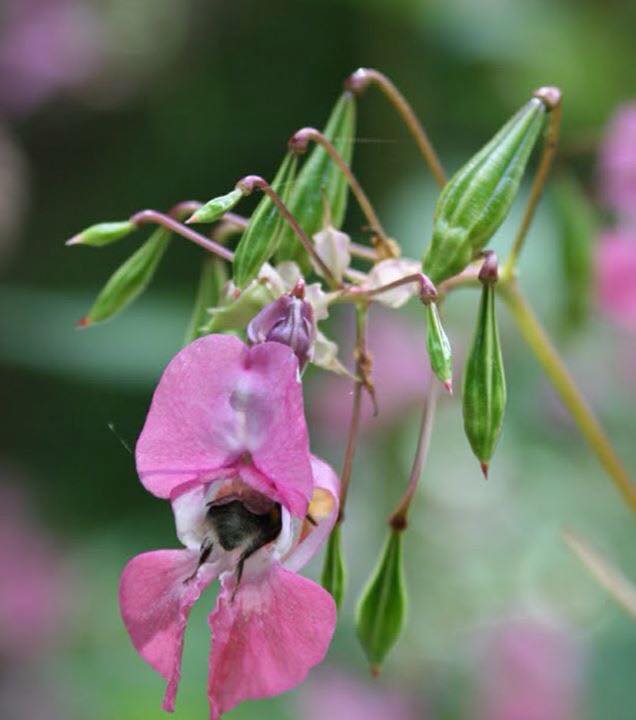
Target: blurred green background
(141, 104)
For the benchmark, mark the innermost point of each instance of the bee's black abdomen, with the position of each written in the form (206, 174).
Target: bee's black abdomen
(235, 524)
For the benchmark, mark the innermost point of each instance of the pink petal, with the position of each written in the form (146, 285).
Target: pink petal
(267, 639)
(324, 478)
(219, 401)
(155, 602)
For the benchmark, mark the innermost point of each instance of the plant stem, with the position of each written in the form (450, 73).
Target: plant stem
(541, 176)
(153, 217)
(249, 182)
(298, 143)
(362, 362)
(536, 337)
(365, 76)
(399, 517)
(428, 293)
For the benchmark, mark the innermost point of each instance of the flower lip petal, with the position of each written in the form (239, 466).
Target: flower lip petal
(267, 638)
(155, 598)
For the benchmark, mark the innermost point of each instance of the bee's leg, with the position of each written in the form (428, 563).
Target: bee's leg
(249, 550)
(206, 549)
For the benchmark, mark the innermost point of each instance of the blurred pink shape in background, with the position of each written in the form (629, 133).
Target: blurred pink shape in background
(618, 163)
(401, 373)
(530, 671)
(332, 694)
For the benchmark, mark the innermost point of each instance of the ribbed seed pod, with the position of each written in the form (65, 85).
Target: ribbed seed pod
(262, 236)
(320, 181)
(477, 199)
(381, 611)
(484, 391)
(333, 577)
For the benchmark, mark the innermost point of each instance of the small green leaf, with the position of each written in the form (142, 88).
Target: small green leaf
(129, 280)
(381, 611)
(103, 234)
(262, 236)
(477, 199)
(333, 571)
(320, 181)
(234, 316)
(439, 349)
(484, 393)
(213, 277)
(214, 209)
(578, 226)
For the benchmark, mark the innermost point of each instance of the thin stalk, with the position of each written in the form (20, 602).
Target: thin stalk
(247, 185)
(364, 77)
(362, 251)
(153, 217)
(362, 368)
(399, 517)
(552, 364)
(428, 292)
(551, 97)
(298, 143)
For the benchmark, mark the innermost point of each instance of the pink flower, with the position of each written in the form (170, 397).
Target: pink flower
(616, 272)
(618, 162)
(226, 441)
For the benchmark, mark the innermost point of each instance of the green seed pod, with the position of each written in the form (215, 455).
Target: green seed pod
(439, 349)
(381, 611)
(262, 236)
(477, 199)
(213, 209)
(484, 392)
(578, 227)
(235, 315)
(213, 278)
(320, 181)
(333, 577)
(103, 234)
(129, 280)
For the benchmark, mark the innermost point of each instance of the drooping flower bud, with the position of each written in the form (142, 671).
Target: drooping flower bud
(477, 199)
(333, 571)
(262, 236)
(484, 394)
(129, 280)
(320, 181)
(103, 233)
(289, 320)
(381, 611)
(213, 209)
(334, 248)
(439, 349)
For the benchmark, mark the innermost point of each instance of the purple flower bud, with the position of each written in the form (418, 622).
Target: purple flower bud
(288, 320)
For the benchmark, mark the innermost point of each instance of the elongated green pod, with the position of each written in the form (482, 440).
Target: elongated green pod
(381, 611)
(484, 391)
(477, 199)
(216, 207)
(103, 233)
(213, 277)
(439, 349)
(262, 236)
(129, 280)
(578, 226)
(333, 577)
(320, 181)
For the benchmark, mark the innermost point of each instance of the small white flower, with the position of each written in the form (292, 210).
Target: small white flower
(334, 248)
(387, 271)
